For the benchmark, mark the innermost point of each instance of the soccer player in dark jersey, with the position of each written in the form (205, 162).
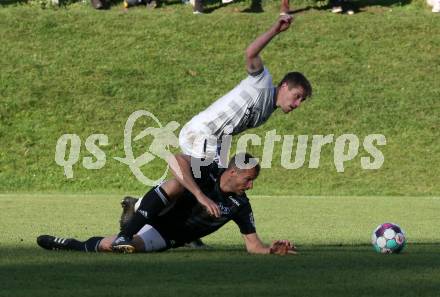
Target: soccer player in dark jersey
(187, 219)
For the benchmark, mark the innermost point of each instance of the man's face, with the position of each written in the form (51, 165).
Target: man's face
(289, 100)
(243, 180)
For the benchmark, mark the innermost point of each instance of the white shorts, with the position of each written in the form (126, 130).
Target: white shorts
(202, 145)
(197, 144)
(152, 239)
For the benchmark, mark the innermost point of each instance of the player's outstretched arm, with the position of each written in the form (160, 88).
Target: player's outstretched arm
(254, 245)
(254, 62)
(180, 166)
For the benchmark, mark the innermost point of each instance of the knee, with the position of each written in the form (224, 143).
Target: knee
(173, 188)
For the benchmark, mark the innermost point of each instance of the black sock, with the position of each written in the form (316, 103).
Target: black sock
(90, 245)
(151, 205)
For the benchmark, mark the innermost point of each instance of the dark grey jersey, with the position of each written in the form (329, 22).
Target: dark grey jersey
(188, 219)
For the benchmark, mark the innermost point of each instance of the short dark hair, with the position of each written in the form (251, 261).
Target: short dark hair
(245, 159)
(297, 79)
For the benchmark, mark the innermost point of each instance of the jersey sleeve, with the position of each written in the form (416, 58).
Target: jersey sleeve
(260, 80)
(245, 220)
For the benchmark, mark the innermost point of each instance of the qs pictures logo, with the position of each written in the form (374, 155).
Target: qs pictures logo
(163, 138)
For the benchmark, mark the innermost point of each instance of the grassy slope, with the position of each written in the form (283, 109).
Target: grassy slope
(82, 71)
(333, 234)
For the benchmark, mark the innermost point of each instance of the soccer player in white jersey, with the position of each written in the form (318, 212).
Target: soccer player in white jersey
(246, 106)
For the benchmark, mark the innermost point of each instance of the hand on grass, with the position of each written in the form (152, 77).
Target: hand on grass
(283, 247)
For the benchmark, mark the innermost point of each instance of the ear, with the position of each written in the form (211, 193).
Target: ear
(231, 171)
(234, 171)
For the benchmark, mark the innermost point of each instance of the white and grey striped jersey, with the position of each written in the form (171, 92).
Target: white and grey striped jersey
(248, 105)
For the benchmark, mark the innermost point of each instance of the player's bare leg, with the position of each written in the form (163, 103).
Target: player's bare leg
(285, 7)
(173, 188)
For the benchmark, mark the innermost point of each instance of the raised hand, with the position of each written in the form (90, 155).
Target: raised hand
(283, 23)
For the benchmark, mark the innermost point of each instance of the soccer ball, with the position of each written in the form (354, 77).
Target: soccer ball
(388, 238)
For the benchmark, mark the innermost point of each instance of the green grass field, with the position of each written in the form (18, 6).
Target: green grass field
(76, 70)
(332, 234)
